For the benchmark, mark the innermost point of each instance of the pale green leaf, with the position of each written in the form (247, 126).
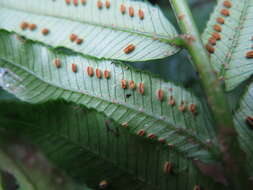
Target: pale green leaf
(29, 73)
(106, 32)
(236, 41)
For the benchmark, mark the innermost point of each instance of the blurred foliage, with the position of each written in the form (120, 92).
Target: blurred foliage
(27, 168)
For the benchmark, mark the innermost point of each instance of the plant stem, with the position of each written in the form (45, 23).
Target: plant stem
(178, 41)
(1, 181)
(232, 155)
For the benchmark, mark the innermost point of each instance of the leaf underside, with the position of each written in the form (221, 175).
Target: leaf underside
(243, 127)
(105, 32)
(230, 58)
(29, 73)
(92, 148)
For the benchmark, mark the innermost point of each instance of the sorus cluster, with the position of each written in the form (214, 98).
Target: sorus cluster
(100, 5)
(220, 20)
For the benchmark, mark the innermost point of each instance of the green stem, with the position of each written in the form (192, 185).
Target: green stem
(178, 41)
(232, 155)
(1, 181)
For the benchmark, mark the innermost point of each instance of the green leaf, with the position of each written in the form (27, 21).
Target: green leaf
(92, 148)
(242, 117)
(236, 41)
(30, 168)
(29, 73)
(105, 32)
(5, 95)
